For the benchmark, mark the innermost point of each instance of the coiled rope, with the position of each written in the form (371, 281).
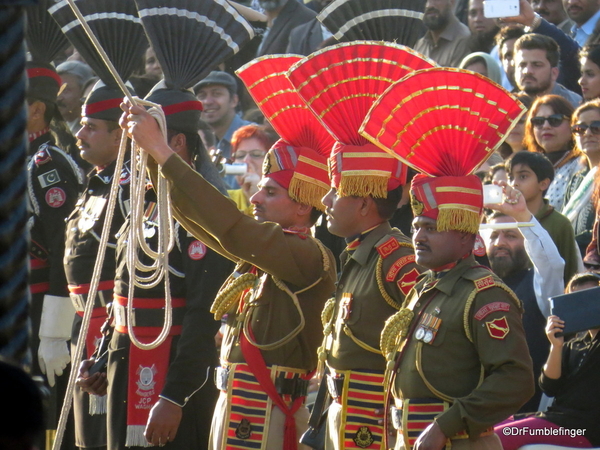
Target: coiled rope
(136, 239)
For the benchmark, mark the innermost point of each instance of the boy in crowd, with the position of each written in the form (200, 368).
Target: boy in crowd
(531, 173)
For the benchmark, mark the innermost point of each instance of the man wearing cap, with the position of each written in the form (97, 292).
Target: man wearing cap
(378, 270)
(274, 297)
(167, 389)
(465, 365)
(54, 183)
(74, 75)
(98, 141)
(218, 94)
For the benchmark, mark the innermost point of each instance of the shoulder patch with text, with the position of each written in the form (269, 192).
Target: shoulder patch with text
(490, 308)
(397, 267)
(484, 283)
(388, 247)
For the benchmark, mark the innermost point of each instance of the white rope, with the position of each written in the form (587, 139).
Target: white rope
(166, 238)
(163, 195)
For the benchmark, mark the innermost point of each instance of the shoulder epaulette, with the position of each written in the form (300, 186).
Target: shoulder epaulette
(481, 284)
(387, 247)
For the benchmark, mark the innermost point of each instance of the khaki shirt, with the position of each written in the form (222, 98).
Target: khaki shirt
(480, 329)
(386, 258)
(452, 45)
(295, 260)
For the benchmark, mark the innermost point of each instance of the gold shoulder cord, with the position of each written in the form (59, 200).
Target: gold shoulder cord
(390, 301)
(358, 342)
(229, 295)
(392, 338)
(427, 383)
(379, 275)
(294, 296)
(327, 321)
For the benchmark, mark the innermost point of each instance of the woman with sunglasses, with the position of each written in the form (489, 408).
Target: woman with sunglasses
(249, 145)
(583, 191)
(547, 131)
(589, 58)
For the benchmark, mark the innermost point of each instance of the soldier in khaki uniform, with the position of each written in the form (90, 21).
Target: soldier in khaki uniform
(282, 279)
(378, 264)
(463, 364)
(378, 270)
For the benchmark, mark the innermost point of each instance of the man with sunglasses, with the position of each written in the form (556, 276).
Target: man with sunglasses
(536, 68)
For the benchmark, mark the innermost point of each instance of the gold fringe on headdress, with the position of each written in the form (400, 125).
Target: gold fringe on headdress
(361, 185)
(459, 218)
(307, 190)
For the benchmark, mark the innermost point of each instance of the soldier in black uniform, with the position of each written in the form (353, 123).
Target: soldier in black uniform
(180, 412)
(54, 182)
(166, 391)
(98, 141)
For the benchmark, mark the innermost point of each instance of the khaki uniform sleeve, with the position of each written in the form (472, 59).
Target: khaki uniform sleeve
(499, 338)
(216, 220)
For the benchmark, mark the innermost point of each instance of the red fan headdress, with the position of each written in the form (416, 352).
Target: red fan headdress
(340, 84)
(298, 161)
(444, 123)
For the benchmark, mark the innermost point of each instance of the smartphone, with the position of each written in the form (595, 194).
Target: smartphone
(500, 8)
(492, 193)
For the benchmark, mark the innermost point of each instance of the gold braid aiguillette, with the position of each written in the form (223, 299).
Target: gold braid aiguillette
(395, 329)
(230, 294)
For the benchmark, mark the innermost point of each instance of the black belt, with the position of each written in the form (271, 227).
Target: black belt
(295, 387)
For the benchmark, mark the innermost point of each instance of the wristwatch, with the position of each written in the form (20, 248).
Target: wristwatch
(537, 20)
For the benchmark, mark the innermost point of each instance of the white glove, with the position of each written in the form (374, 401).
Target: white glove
(55, 332)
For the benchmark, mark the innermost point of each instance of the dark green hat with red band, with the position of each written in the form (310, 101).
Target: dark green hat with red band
(43, 81)
(182, 109)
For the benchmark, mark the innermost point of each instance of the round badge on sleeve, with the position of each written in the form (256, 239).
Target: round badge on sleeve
(196, 250)
(56, 197)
